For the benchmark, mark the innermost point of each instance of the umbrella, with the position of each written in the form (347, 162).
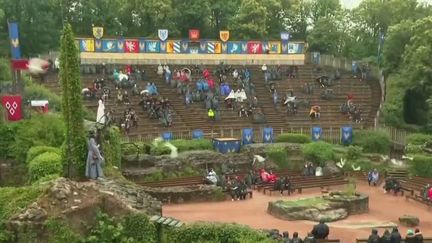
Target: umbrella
(37, 66)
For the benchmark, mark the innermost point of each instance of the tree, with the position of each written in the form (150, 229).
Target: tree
(324, 8)
(73, 114)
(221, 13)
(326, 37)
(250, 21)
(192, 14)
(297, 18)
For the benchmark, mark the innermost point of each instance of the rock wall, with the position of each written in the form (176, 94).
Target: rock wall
(354, 205)
(198, 193)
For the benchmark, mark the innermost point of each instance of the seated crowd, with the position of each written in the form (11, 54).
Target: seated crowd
(395, 237)
(318, 232)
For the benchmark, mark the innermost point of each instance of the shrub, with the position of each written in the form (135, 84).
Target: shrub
(59, 232)
(293, 138)
(7, 138)
(111, 147)
(106, 230)
(278, 155)
(418, 138)
(39, 92)
(14, 199)
(5, 71)
(318, 152)
(37, 150)
(139, 227)
(216, 233)
(182, 146)
(373, 141)
(354, 152)
(413, 149)
(40, 130)
(45, 164)
(421, 165)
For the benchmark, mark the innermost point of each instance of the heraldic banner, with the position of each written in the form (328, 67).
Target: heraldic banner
(14, 40)
(13, 106)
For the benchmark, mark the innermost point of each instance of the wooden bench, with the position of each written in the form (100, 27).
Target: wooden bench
(425, 240)
(419, 199)
(303, 182)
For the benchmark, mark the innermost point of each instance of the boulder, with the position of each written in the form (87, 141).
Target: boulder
(409, 220)
(330, 168)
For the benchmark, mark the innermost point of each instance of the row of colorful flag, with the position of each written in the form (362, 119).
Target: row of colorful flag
(186, 47)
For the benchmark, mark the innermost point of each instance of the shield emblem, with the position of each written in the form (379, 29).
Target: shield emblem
(285, 36)
(98, 32)
(224, 35)
(163, 34)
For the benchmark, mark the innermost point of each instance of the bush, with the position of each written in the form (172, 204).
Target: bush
(293, 138)
(182, 146)
(40, 130)
(421, 165)
(39, 92)
(139, 227)
(278, 155)
(216, 233)
(45, 164)
(37, 150)
(111, 147)
(373, 141)
(106, 230)
(5, 71)
(413, 149)
(59, 232)
(14, 199)
(318, 152)
(418, 138)
(354, 152)
(7, 138)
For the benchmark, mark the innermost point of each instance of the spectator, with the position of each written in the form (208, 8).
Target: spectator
(395, 236)
(211, 114)
(386, 237)
(285, 237)
(315, 112)
(296, 239)
(321, 230)
(430, 194)
(374, 238)
(418, 236)
(160, 70)
(309, 238)
(212, 177)
(410, 237)
(375, 177)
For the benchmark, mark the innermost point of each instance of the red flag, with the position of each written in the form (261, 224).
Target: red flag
(254, 47)
(13, 106)
(20, 64)
(131, 46)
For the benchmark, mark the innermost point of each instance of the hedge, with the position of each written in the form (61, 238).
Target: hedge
(37, 150)
(293, 138)
(418, 138)
(318, 152)
(216, 233)
(45, 164)
(373, 141)
(111, 147)
(421, 165)
(40, 130)
(139, 227)
(182, 146)
(7, 138)
(278, 155)
(35, 91)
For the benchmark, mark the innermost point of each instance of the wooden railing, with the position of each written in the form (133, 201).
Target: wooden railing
(330, 135)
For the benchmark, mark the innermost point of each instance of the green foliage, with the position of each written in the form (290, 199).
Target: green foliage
(293, 138)
(304, 202)
(106, 230)
(393, 107)
(216, 233)
(37, 150)
(373, 141)
(73, 114)
(250, 21)
(15, 199)
(185, 171)
(350, 188)
(5, 71)
(421, 165)
(40, 130)
(182, 146)
(139, 227)
(278, 155)
(45, 164)
(59, 232)
(318, 152)
(34, 91)
(111, 147)
(135, 148)
(354, 152)
(7, 137)
(418, 138)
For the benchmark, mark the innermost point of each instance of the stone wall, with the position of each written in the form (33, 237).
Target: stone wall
(198, 193)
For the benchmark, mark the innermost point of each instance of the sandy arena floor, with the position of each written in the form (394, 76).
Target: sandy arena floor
(384, 210)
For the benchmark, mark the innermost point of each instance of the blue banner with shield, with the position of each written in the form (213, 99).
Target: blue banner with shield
(247, 137)
(14, 40)
(316, 133)
(346, 135)
(226, 145)
(268, 135)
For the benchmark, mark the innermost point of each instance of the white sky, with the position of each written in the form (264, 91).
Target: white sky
(355, 3)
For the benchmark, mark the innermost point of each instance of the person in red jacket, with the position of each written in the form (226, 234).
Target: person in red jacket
(430, 194)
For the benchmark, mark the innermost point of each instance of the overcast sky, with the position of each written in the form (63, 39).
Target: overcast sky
(355, 3)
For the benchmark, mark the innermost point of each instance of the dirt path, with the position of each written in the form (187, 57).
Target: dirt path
(383, 209)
